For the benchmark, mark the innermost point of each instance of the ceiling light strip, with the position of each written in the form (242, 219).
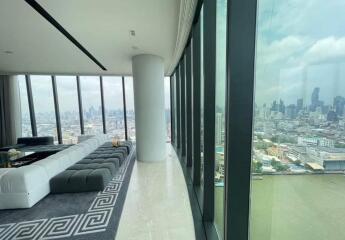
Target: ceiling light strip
(50, 19)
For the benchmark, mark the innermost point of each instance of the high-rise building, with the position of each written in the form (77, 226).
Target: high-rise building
(281, 106)
(219, 128)
(291, 111)
(338, 105)
(315, 102)
(332, 116)
(299, 104)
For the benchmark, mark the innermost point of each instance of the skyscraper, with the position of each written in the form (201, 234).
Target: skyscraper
(219, 128)
(338, 105)
(299, 104)
(315, 102)
(281, 106)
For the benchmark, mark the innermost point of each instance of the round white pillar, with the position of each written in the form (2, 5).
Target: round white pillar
(150, 126)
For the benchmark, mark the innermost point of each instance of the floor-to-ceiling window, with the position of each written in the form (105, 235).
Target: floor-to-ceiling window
(24, 107)
(69, 110)
(202, 98)
(220, 115)
(68, 106)
(113, 100)
(91, 96)
(130, 108)
(44, 105)
(298, 157)
(174, 112)
(167, 107)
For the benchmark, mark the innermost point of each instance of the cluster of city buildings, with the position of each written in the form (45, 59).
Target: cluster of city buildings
(300, 138)
(93, 124)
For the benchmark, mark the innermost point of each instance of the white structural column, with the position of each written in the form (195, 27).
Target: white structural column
(148, 80)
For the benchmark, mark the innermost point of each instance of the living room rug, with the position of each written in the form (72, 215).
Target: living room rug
(75, 216)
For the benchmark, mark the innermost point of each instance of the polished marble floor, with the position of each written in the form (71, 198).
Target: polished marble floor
(157, 205)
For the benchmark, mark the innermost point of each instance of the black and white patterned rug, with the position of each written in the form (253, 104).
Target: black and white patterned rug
(92, 215)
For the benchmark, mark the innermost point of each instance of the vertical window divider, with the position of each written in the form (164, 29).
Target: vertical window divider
(124, 107)
(31, 105)
(80, 105)
(102, 105)
(178, 109)
(183, 107)
(171, 109)
(196, 103)
(239, 116)
(189, 132)
(209, 36)
(57, 109)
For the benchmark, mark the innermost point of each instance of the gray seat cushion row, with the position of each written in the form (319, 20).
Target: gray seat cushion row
(84, 180)
(109, 165)
(122, 150)
(115, 161)
(118, 155)
(112, 149)
(92, 173)
(127, 145)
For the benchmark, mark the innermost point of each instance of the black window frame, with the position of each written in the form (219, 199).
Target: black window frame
(189, 111)
(240, 58)
(80, 106)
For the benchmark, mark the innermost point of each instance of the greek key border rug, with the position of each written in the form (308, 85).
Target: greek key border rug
(72, 216)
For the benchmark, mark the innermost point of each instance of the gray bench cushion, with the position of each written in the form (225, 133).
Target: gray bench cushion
(110, 166)
(92, 173)
(118, 155)
(114, 161)
(80, 180)
(127, 145)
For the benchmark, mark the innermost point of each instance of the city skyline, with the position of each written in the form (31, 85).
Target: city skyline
(299, 50)
(306, 102)
(90, 89)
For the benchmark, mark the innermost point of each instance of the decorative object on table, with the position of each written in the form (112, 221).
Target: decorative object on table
(115, 142)
(13, 152)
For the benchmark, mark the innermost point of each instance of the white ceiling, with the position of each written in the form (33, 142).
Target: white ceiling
(101, 26)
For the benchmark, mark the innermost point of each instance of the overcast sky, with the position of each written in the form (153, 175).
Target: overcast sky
(300, 46)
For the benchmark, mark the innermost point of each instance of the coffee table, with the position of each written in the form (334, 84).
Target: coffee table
(22, 159)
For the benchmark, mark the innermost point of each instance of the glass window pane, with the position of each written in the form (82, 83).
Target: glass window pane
(167, 106)
(298, 157)
(130, 107)
(220, 115)
(91, 96)
(202, 97)
(174, 108)
(24, 105)
(113, 101)
(42, 91)
(69, 109)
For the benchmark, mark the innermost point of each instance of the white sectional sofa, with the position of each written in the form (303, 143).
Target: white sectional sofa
(23, 187)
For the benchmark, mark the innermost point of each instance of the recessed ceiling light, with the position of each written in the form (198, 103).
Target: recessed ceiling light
(132, 33)
(8, 52)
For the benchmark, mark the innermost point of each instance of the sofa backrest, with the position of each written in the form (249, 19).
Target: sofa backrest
(33, 141)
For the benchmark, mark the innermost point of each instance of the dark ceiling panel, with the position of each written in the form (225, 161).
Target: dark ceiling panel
(50, 19)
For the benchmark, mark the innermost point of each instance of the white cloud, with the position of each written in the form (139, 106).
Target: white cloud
(283, 49)
(326, 50)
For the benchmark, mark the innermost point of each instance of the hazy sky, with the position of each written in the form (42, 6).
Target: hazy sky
(300, 46)
(90, 90)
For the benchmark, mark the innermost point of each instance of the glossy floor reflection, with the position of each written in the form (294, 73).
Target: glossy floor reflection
(157, 204)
